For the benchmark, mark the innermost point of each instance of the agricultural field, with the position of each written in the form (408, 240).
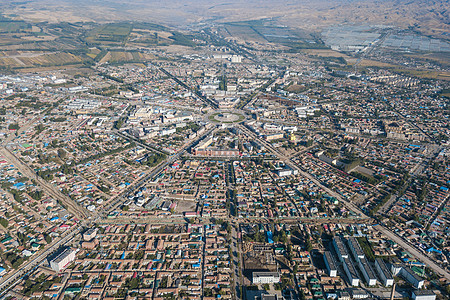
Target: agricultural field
(442, 58)
(150, 37)
(93, 52)
(263, 31)
(33, 59)
(9, 25)
(244, 32)
(425, 74)
(112, 33)
(325, 53)
(124, 56)
(51, 45)
(13, 26)
(370, 63)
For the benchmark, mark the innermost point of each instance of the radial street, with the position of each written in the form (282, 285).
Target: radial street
(355, 209)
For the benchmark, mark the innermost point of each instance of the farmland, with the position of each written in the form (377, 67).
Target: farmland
(8, 25)
(33, 59)
(110, 33)
(124, 56)
(244, 32)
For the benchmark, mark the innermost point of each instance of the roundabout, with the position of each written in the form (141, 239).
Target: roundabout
(226, 117)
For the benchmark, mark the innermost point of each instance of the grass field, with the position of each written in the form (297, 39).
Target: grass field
(425, 74)
(13, 26)
(325, 53)
(110, 33)
(9, 25)
(442, 58)
(295, 88)
(244, 32)
(370, 63)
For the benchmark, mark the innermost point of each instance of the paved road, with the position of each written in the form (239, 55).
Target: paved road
(294, 165)
(115, 203)
(72, 207)
(411, 249)
(205, 99)
(415, 171)
(236, 258)
(14, 278)
(138, 142)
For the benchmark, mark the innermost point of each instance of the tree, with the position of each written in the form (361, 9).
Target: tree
(13, 126)
(48, 239)
(4, 222)
(308, 244)
(62, 153)
(301, 295)
(37, 195)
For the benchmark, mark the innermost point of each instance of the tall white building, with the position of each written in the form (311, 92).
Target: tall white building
(330, 264)
(63, 259)
(383, 271)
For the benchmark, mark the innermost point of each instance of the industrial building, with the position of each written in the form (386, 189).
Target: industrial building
(63, 259)
(330, 264)
(265, 277)
(386, 276)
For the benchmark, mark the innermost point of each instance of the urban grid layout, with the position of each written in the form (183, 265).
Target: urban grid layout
(223, 160)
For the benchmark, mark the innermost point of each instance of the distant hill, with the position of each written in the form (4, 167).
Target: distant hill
(428, 17)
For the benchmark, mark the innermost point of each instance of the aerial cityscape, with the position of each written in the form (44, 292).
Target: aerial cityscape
(254, 150)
